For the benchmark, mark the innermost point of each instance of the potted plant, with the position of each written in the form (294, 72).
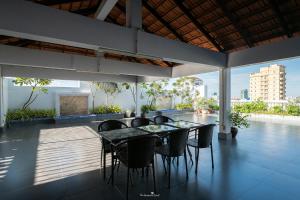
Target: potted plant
(238, 120)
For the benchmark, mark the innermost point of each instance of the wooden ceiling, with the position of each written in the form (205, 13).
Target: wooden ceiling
(218, 25)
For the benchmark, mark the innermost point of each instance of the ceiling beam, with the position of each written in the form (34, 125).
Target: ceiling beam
(104, 9)
(283, 23)
(161, 20)
(20, 56)
(122, 9)
(235, 22)
(198, 25)
(56, 2)
(65, 28)
(289, 48)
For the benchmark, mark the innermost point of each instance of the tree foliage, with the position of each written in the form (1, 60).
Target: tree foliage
(109, 88)
(37, 87)
(184, 87)
(132, 88)
(154, 90)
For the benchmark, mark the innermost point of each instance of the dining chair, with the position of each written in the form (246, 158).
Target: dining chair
(139, 153)
(161, 119)
(175, 148)
(140, 121)
(203, 139)
(108, 125)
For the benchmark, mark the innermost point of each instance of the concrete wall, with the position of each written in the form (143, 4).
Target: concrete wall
(18, 95)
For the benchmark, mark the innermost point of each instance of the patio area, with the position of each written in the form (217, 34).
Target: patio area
(63, 162)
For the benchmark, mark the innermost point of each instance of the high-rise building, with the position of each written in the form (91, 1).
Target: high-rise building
(244, 94)
(203, 91)
(268, 84)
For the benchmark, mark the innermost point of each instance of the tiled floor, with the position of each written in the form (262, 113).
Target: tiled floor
(63, 162)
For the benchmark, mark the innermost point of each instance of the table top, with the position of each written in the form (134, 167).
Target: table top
(184, 124)
(122, 134)
(156, 129)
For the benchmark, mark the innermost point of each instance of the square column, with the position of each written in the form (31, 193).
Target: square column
(3, 103)
(225, 108)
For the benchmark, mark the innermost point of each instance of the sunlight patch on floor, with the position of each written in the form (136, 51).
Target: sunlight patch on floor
(65, 152)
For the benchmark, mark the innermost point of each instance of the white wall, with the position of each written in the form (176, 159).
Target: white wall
(18, 95)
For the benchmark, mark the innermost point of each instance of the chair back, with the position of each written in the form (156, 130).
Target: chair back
(162, 119)
(109, 125)
(177, 142)
(140, 121)
(141, 151)
(205, 134)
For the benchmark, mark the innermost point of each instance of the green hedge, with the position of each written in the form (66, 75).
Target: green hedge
(251, 107)
(261, 107)
(28, 114)
(104, 109)
(184, 106)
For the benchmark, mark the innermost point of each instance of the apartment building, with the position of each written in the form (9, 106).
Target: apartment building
(269, 84)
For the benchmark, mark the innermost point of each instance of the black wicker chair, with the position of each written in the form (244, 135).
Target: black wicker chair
(108, 126)
(140, 121)
(203, 139)
(175, 147)
(139, 153)
(160, 119)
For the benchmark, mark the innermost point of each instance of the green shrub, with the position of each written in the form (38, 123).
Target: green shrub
(293, 109)
(147, 108)
(251, 107)
(104, 109)
(239, 120)
(27, 114)
(277, 110)
(184, 106)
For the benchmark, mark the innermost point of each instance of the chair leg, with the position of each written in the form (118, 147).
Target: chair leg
(163, 159)
(186, 167)
(169, 178)
(212, 156)
(104, 165)
(190, 154)
(196, 159)
(153, 173)
(177, 161)
(127, 182)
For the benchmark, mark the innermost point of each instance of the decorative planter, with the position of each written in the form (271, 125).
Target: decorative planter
(14, 123)
(88, 118)
(234, 131)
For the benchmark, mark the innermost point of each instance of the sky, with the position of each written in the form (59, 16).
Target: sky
(240, 78)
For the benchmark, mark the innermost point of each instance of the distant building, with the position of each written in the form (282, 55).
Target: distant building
(244, 94)
(268, 84)
(203, 91)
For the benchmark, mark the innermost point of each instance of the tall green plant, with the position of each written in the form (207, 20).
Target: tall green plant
(37, 87)
(109, 88)
(185, 87)
(153, 90)
(94, 86)
(132, 88)
(239, 120)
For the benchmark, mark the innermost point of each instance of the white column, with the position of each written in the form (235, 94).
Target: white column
(134, 14)
(225, 97)
(3, 107)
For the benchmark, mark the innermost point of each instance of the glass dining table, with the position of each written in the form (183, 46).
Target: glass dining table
(118, 135)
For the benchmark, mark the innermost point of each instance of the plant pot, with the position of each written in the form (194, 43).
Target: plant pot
(132, 114)
(128, 113)
(234, 131)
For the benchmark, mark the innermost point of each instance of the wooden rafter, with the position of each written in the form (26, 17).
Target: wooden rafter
(235, 22)
(279, 16)
(199, 26)
(161, 20)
